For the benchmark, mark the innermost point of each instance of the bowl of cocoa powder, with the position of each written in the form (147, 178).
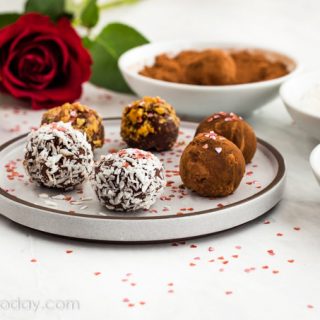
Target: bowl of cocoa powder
(199, 78)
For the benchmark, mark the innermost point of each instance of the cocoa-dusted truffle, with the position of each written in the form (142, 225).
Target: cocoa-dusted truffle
(82, 118)
(211, 165)
(128, 180)
(58, 156)
(234, 128)
(211, 67)
(150, 124)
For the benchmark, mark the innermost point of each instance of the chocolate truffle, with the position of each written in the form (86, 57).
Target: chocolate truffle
(234, 128)
(128, 180)
(150, 124)
(58, 156)
(165, 69)
(82, 118)
(211, 67)
(211, 165)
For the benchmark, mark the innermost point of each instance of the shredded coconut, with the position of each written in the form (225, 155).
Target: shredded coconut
(56, 155)
(128, 180)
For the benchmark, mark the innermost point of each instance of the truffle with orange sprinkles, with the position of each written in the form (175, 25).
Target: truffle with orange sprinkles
(128, 180)
(234, 128)
(211, 165)
(150, 124)
(82, 118)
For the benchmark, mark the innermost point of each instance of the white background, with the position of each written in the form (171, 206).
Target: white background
(199, 291)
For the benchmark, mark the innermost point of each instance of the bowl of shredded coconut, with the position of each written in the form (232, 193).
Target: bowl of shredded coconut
(315, 162)
(301, 96)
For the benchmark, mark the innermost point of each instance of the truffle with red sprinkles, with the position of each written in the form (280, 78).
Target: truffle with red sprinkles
(58, 156)
(128, 180)
(211, 165)
(234, 128)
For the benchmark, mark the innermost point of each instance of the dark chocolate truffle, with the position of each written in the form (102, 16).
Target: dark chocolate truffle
(82, 118)
(128, 180)
(235, 129)
(58, 156)
(150, 124)
(211, 165)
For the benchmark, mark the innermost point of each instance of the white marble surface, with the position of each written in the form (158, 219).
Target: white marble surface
(243, 289)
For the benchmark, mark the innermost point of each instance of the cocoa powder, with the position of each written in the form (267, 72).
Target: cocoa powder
(215, 67)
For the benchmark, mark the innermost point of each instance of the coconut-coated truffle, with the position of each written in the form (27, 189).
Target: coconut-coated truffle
(150, 124)
(58, 156)
(211, 165)
(234, 128)
(82, 118)
(128, 180)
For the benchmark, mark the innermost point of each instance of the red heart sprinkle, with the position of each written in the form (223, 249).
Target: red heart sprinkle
(33, 260)
(193, 246)
(97, 273)
(69, 251)
(271, 252)
(291, 260)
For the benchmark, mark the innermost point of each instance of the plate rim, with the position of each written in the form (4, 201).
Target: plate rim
(278, 178)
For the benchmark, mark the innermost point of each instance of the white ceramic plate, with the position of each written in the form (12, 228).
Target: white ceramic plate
(178, 214)
(196, 100)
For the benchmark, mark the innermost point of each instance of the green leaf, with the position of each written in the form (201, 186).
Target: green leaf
(90, 14)
(8, 18)
(87, 42)
(114, 40)
(52, 8)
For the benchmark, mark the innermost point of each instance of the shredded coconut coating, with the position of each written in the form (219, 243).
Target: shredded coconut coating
(58, 156)
(128, 180)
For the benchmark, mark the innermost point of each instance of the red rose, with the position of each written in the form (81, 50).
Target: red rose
(42, 61)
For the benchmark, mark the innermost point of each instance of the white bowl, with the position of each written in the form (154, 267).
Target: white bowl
(315, 162)
(293, 92)
(197, 100)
